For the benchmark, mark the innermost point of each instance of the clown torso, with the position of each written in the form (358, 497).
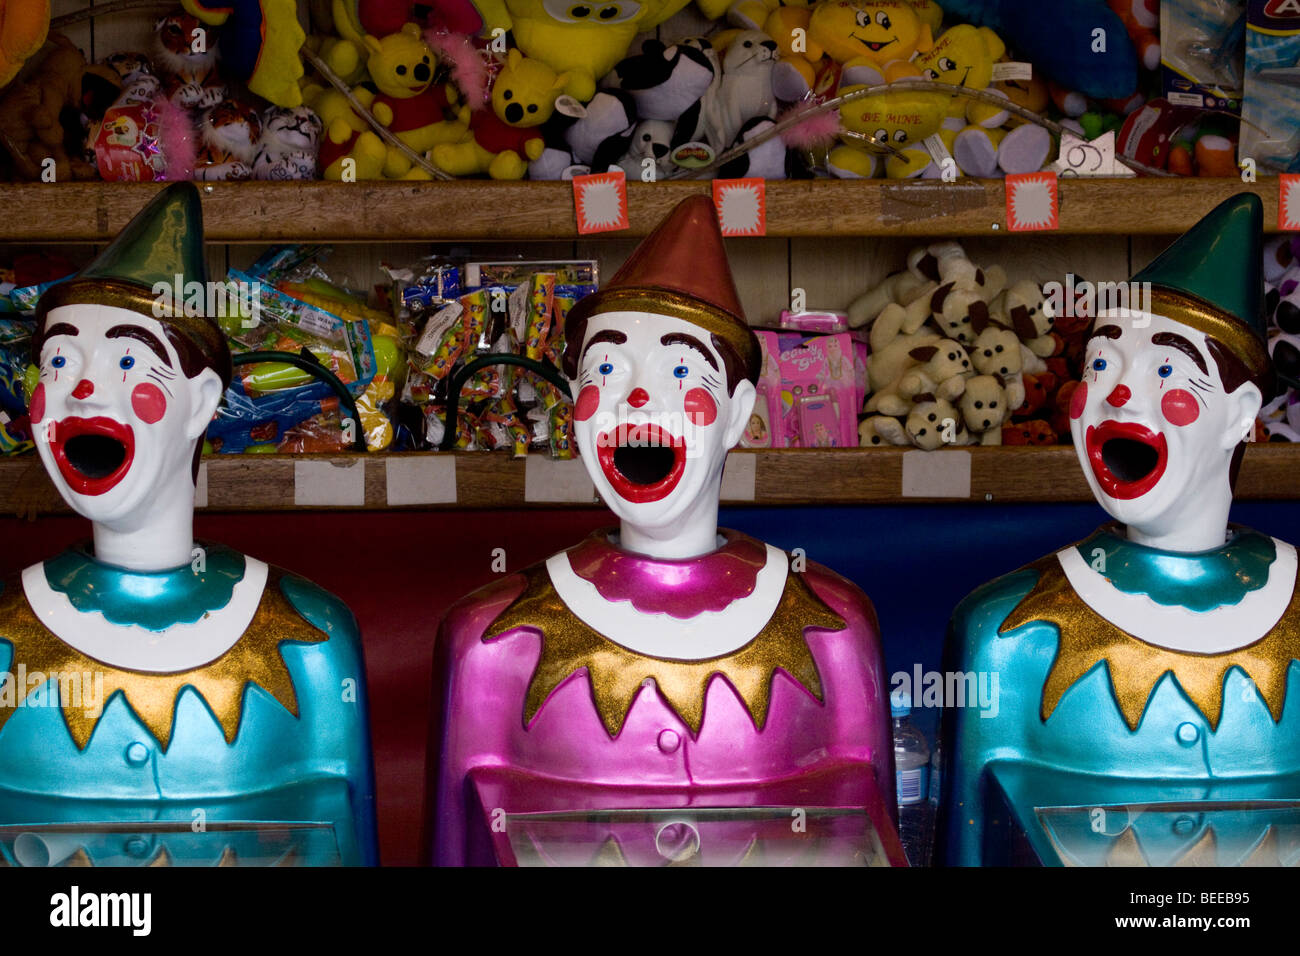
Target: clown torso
(555, 696)
(1140, 713)
(211, 714)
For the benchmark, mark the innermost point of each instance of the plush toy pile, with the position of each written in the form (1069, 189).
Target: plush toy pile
(523, 88)
(1280, 418)
(960, 356)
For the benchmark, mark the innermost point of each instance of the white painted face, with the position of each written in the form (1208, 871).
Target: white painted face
(652, 417)
(1152, 425)
(115, 418)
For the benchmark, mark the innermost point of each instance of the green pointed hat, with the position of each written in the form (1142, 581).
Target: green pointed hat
(1212, 279)
(161, 246)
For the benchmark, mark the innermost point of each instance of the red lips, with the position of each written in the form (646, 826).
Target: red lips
(643, 463)
(92, 467)
(1128, 459)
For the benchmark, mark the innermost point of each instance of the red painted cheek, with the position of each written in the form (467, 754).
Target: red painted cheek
(37, 410)
(701, 409)
(149, 403)
(1078, 400)
(586, 404)
(1180, 407)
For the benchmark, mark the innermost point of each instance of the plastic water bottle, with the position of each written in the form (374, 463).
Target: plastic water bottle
(912, 769)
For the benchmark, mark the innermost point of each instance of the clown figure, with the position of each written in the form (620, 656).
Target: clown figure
(1146, 714)
(193, 706)
(667, 691)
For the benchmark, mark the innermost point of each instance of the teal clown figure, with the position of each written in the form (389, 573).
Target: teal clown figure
(1148, 710)
(165, 702)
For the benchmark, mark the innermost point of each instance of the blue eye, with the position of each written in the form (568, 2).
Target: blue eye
(1165, 371)
(606, 368)
(127, 362)
(681, 371)
(1099, 365)
(58, 361)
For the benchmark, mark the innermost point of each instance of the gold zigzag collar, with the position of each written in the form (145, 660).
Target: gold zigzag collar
(616, 674)
(1134, 666)
(255, 658)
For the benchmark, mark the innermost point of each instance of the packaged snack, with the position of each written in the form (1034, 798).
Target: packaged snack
(1270, 128)
(1202, 46)
(575, 272)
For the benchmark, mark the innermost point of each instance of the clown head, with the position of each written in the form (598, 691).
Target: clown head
(1170, 391)
(663, 369)
(127, 387)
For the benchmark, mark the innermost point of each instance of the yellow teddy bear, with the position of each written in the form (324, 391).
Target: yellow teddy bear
(501, 141)
(874, 42)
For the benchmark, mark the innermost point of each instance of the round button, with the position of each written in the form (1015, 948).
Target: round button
(1184, 826)
(137, 754)
(669, 741)
(677, 841)
(1188, 733)
(137, 847)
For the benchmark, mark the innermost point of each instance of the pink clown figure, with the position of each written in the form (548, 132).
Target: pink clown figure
(666, 692)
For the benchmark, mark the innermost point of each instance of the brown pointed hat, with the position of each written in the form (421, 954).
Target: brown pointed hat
(680, 270)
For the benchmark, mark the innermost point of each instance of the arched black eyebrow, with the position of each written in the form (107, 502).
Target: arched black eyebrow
(62, 328)
(140, 335)
(691, 342)
(1108, 332)
(1173, 340)
(605, 335)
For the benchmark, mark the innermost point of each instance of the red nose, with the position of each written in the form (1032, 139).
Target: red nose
(638, 397)
(85, 388)
(1119, 396)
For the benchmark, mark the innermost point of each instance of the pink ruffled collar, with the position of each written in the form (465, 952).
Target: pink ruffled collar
(681, 589)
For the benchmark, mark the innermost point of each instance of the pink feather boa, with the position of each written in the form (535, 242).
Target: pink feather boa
(180, 140)
(469, 69)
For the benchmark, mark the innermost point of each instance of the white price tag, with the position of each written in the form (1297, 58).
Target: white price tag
(1012, 71)
(201, 486)
(1082, 157)
(324, 484)
(936, 474)
(420, 480)
(739, 477)
(551, 481)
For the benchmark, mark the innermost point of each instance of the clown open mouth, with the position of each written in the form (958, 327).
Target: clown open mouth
(1128, 459)
(642, 462)
(93, 454)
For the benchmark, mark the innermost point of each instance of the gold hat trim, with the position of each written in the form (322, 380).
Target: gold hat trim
(1203, 317)
(136, 298)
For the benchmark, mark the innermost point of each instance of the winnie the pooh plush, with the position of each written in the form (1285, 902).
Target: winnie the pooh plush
(420, 112)
(502, 141)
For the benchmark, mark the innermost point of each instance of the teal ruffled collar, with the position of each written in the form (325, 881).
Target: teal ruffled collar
(1199, 581)
(153, 600)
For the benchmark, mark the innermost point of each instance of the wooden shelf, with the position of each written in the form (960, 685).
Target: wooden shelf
(471, 210)
(779, 478)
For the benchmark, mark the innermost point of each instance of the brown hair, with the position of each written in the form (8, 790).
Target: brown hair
(1234, 374)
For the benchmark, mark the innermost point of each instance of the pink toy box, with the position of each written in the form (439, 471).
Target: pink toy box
(810, 391)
